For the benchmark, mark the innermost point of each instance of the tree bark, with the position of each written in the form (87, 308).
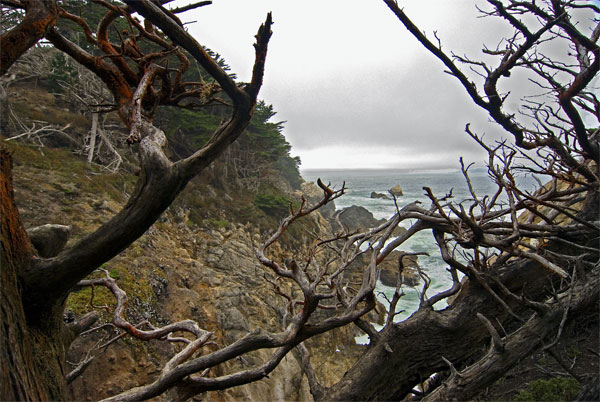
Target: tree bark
(30, 357)
(408, 353)
(505, 354)
(41, 15)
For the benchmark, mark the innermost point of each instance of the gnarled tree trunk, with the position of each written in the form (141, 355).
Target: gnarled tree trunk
(34, 337)
(31, 353)
(409, 352)
(40, 16)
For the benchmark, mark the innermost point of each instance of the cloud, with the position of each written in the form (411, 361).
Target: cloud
(346, 76)
(383, 157)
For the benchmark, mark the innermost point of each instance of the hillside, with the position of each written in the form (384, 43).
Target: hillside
(197, 262)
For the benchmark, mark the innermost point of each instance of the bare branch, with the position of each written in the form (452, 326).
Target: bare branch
(191, 6)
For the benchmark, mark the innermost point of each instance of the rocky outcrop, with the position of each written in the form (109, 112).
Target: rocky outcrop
(176, 271)
(313, 195)
(388, 270)
(381, 196)
(388, 274)
(355, 218)
(396, 191)
(210, 276)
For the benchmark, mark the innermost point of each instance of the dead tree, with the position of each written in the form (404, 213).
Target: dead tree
(530, 259)
(34, 289)
(39, 16)
(87, 94)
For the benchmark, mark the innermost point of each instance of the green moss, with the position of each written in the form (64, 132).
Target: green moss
(135, 251)
(573, 352)
(81, 302)
(134, 280)
(111, 186)
(52, 115)
(218, 223)
(553, 389)
(72, 175)
(247, 213)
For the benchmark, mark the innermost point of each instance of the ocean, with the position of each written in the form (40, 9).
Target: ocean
(360, 184)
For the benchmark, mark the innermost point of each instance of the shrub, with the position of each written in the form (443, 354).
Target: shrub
(553, 389)
(275, 205)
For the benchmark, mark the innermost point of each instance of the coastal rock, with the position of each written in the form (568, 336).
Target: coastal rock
(388, 273)
(49, 239)
(356, 218)
(313, 195)
(376, 195)
(396, 191)
(388, 269)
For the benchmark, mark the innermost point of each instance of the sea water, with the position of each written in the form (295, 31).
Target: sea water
(359, 185)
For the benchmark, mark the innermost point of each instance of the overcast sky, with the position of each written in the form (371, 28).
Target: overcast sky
(355, 88)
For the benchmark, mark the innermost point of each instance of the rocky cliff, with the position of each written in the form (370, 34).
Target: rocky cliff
(197, 261)
(203, 268)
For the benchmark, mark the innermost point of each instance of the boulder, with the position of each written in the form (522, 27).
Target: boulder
(388, 273)
(388, 269)
(356, 218)
(396, 191)
(49, 239)
(379, 196)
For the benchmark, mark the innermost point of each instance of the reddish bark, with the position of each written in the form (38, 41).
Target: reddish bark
(41, 15)
(19, 378)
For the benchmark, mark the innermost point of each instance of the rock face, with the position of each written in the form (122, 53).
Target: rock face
(216, 280)
(396, 190)
(388, 269)
(49, 239)
(180, 271)
(314, 194)
(388, 274)
(355, 218)
(381, 196)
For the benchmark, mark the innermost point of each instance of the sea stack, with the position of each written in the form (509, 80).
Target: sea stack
(379, 196)
(396, 191)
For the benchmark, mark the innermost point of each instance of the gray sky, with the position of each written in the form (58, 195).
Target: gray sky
(356, 89)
